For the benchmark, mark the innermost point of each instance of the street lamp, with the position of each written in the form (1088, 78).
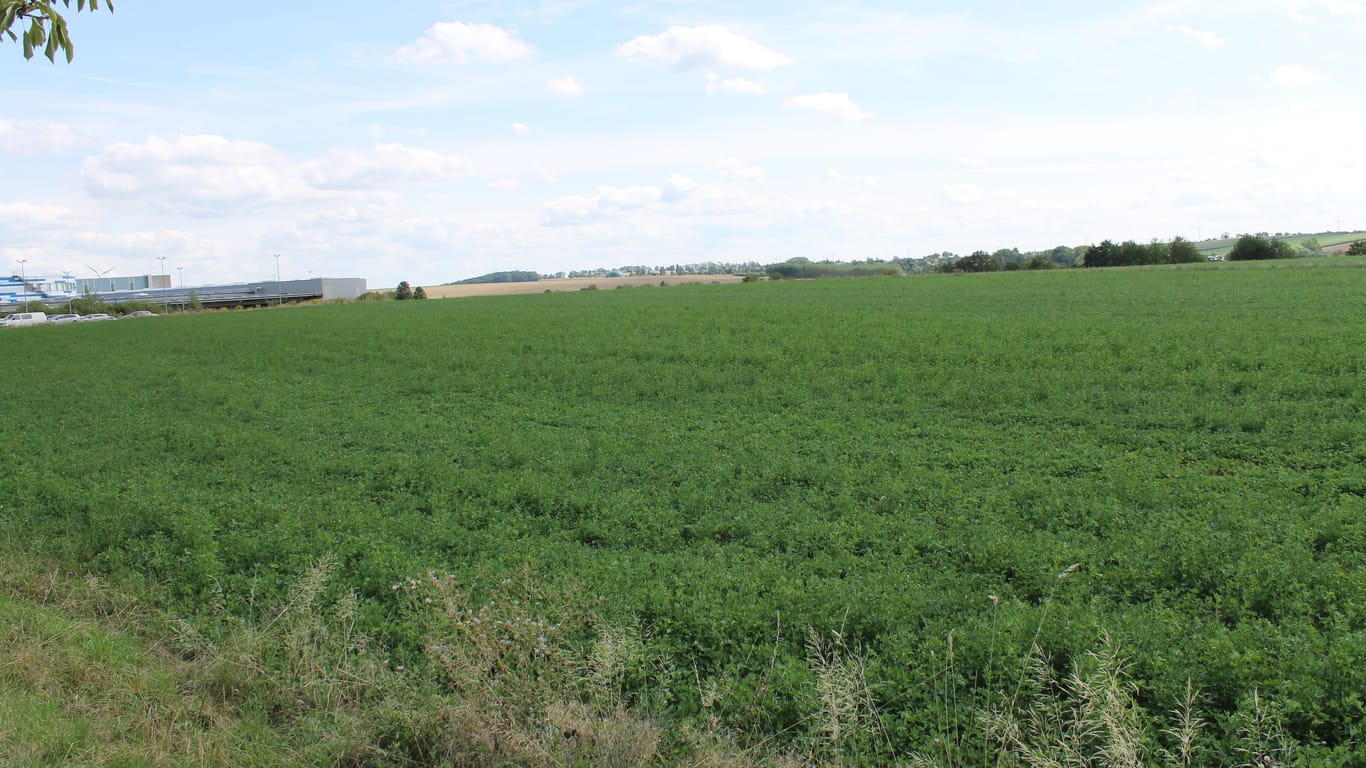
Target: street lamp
(23, 283)
(163, 266)
(279, 291)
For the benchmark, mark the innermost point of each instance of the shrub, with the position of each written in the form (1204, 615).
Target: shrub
(1258, 248)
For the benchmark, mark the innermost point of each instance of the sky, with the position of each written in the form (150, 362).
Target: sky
(436, 141)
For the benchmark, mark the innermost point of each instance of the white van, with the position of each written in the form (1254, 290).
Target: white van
(21, 319)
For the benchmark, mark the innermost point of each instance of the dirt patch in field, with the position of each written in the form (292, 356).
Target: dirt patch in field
(569, 284)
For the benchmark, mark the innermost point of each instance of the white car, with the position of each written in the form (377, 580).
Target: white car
(64, 319)
(95, 317)
(22, 319)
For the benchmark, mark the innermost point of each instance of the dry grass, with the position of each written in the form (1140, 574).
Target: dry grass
(534, 677)
(524, 674)
(845, 718)
(79, 687)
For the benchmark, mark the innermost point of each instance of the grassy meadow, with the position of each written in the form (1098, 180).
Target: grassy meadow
(759, 488)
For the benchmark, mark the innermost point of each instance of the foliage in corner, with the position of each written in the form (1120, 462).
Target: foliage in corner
(46, 27)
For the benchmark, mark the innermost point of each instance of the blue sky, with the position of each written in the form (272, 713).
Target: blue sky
(430, 141)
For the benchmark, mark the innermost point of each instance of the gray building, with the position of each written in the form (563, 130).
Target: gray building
(247, 294)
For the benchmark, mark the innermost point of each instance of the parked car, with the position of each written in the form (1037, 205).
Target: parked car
(95, 317)
(139, 313)
(64, 319)
(21, 319)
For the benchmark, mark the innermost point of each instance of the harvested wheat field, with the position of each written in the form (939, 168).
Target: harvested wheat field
(570, 284)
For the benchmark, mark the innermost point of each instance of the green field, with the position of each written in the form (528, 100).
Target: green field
(727, 466)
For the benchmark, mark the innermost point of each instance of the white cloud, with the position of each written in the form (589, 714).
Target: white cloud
(35, 138)
(651, 209)
(502, 185)
(193, 173)
(677, 189)
(545, 175)
(24, 214)
(711, 45)
(383, 165)
(837, 104)
(171, 242)
(564, 86)
(737, 85)
(209, 174)
(1298, 8)
(1296, 77)
(737, 170)
(834, 175)
(1207, 39)
(579, 209)
(961, 194)
(521, 129)
(456, 43)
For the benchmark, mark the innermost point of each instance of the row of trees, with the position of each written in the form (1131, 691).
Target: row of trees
(1131, 254)
(803, 268)
(1003, 260)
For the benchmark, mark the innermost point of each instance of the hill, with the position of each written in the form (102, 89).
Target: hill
(500, 277)
(1329, 241)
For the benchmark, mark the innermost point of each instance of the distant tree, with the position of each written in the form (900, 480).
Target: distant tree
(419, 292)
(1007, 256)
(195, 304)
(1158, 252)
(1310, 247)
(1258, 248)
(977, 261)
(1063, 256)
(1130, 254)
(1040, 261)
(404, 291)
(1102, 255)
(1357, 249)
(1182, 251)
(46, 27)
(511, 276)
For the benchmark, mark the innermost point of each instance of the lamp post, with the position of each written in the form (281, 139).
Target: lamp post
(23, 284)
(181, 270)
(279, 292)
(162, 259)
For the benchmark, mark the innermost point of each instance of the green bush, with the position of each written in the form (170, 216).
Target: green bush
(1257, 248)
